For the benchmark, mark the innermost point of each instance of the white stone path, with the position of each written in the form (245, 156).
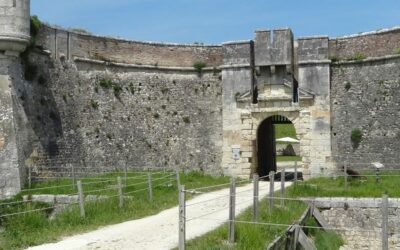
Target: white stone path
(161, 231)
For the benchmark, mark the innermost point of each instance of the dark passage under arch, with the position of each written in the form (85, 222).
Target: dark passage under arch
(266, 148)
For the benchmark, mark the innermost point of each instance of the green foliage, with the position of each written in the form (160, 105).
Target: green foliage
(356, 137)
(216, 71)
(117, 90)
(108, 83)
(31, 70)
(347, 85)
(328, 240)
(284, 130)
(186, 119)
(36, 25)
(164, 90)
(131, 88)
(94, 104)
(397, 51)
(281, 158)
(334, 186)
(249, 236)
(334, 59)
(358, 56)
(198, 66)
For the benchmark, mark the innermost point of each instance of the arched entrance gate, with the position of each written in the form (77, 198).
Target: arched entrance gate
(266, 145)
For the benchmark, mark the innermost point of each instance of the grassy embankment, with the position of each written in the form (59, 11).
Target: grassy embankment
(35, 228)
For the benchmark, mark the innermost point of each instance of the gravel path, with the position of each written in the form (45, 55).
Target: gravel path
(161, 231)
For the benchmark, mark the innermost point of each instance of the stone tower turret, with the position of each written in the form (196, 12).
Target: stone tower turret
(15, 23)
(14, 38)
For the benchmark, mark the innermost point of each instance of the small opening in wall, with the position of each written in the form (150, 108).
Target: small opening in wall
(334, 134)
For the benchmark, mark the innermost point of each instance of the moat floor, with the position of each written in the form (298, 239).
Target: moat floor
(161, 231)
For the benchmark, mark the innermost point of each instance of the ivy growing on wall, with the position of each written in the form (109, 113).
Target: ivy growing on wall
(356, 137)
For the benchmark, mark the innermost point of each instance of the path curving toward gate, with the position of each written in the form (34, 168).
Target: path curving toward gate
(160, 231)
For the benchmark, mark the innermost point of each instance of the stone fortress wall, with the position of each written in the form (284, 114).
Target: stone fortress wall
(166, 114)
(365, 95)
(101, 103)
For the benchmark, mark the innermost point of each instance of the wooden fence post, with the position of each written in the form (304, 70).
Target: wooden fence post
(385, 221)
(73, 175)
(178, 178)
(345, 177)
(81, 199)
(182, 218)
(150, 187)
(283, 177)
(30, 176)
(232, 201)
(255, 197)
(271, 191)
(126, 173)
(120, 194)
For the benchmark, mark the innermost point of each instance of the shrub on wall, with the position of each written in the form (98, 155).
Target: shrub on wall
(358, 56)
(198, 66)
(397, 51)
(356, 137)
(347, 86)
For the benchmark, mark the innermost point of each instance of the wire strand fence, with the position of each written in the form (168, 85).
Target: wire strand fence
(44, 193)
(273, 201)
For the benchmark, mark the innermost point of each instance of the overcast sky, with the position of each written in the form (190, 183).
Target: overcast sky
(216, 21)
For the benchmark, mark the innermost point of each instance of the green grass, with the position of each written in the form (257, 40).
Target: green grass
(281, 158)
(284, 130)
(328, 240)
(251, 236)
(334, 187)
(257, 236)
(35, 228)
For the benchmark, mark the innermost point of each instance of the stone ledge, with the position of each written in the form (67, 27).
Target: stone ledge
(128, 65)
(338, 202)
(370, 59)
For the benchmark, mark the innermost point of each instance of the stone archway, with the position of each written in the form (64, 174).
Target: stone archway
(251, 122)
(265, 150)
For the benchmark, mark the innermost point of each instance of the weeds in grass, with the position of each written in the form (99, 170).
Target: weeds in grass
(328, 240)
(248, 236)
(35, 228)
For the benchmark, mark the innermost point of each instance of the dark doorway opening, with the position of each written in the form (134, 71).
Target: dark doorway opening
(266, 148)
